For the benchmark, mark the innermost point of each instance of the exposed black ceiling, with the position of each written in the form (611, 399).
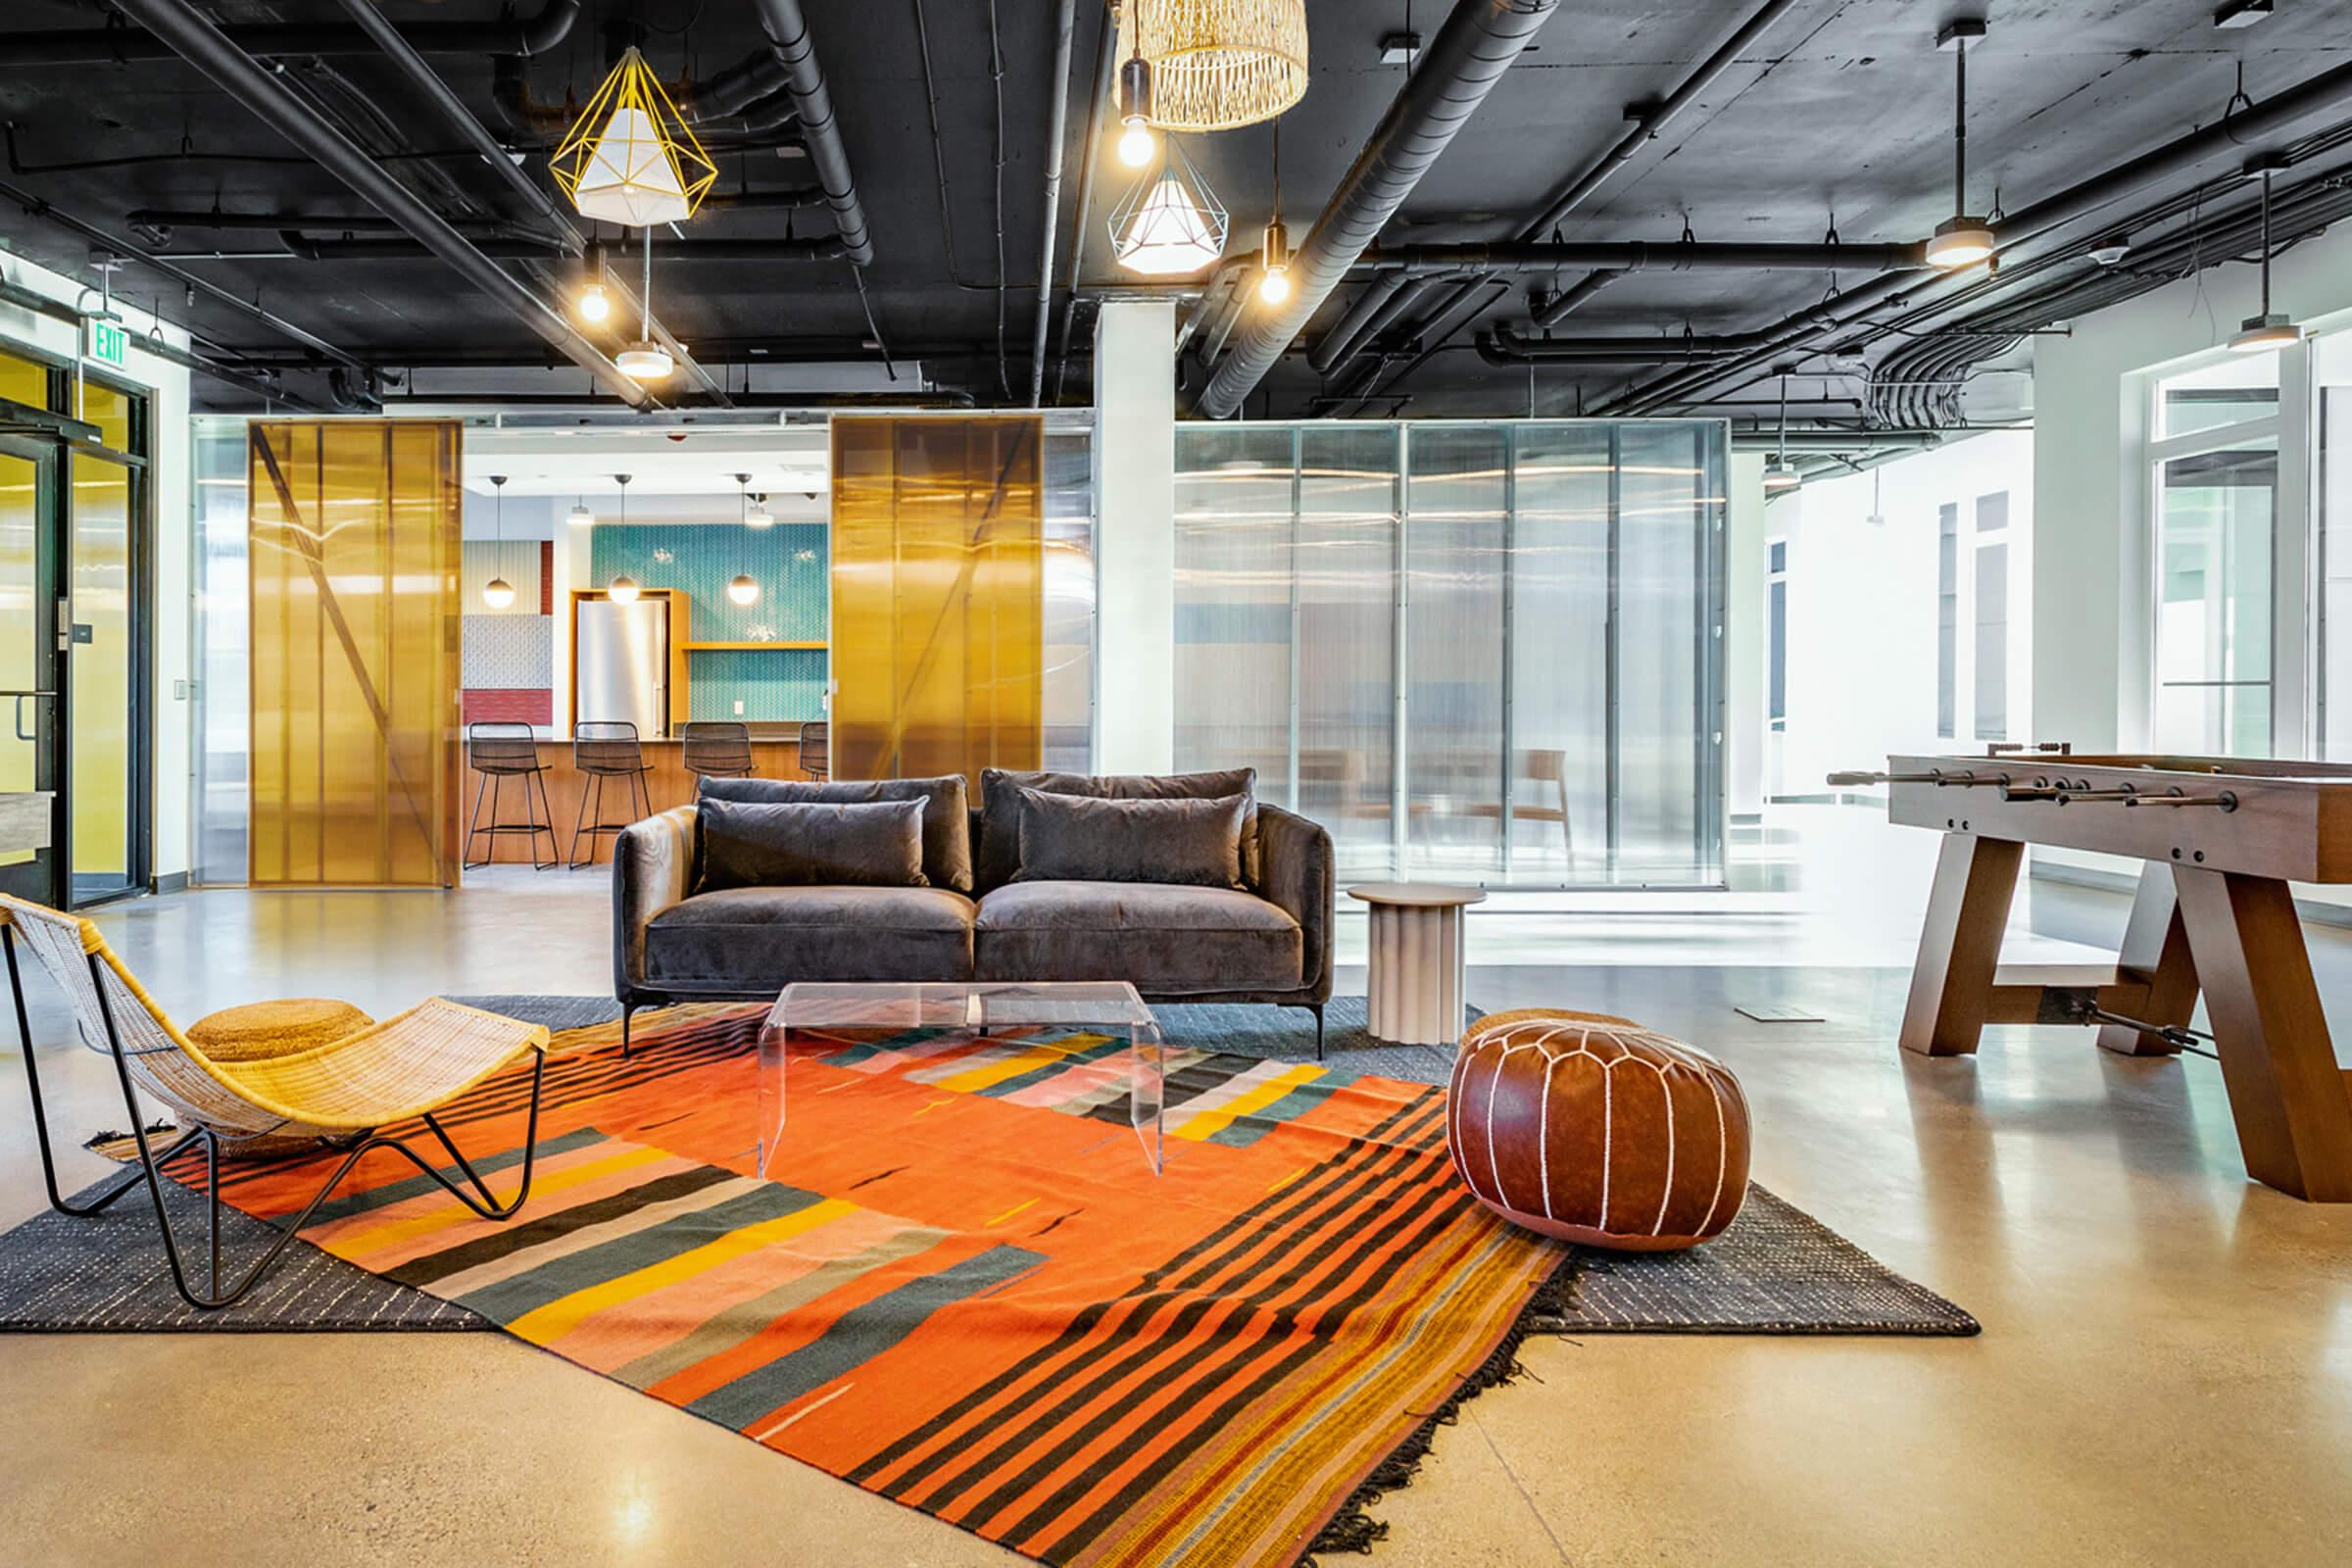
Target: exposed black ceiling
(1841, 110)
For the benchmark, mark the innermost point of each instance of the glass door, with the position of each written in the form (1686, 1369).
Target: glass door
(102, 728)
(31, 841)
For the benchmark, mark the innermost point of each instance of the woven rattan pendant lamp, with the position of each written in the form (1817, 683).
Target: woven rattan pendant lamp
(1218, 64)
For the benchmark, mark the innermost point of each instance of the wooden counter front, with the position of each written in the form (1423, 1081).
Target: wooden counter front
(668, 784)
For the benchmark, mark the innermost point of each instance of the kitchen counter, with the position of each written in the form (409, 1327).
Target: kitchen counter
(667, 784)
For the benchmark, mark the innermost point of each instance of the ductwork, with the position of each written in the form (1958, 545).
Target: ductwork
(203, 45)
(667, 253)
(707, 109)
(1057, 129)
(804, 80)
(1504, 347)
(115, 45)
(1476, 43)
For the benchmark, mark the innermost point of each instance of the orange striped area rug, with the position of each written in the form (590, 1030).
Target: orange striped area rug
(964, 1289)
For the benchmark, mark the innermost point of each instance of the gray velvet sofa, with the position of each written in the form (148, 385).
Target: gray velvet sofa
(1270, 944)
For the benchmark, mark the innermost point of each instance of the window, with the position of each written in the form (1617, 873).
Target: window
(1947, 618)
(2215, 511)
(1776, 632)
(1992, 642)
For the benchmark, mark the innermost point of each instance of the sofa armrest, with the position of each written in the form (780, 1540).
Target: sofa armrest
(1296, 873)
(652, 868)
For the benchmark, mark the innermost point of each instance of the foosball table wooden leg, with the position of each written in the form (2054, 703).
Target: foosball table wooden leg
(2291, 1100)
(1968, 909)
(2156, 948)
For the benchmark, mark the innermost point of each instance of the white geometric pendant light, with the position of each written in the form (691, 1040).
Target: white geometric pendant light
(631, 158)
(1171, 224)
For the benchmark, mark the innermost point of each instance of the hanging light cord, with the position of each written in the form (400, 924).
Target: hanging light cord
(644, 325)
(2265, 242)
(1960, 126)
(1780, 454)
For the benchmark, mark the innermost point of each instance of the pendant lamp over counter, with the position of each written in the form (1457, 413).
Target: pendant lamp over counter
(622, 589)
(498, 593)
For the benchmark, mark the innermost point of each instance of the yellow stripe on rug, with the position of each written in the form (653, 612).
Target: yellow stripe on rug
(1209, 1123)
(357, 1244)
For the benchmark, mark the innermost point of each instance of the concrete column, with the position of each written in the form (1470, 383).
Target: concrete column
(1745, 529)
(1135, 537)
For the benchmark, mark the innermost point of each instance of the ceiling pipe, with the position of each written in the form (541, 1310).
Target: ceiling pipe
(16, 294)
(788, 33)
(534, 35)
(1374, 312)
(1572, 299)
(1653, 121)
(209, 50)
(298, 222)
(1106, 62)
(1474, 47)
(1503, 347)
(1637, 256)
(301, 247)
(2028, 232)
(1057, 131)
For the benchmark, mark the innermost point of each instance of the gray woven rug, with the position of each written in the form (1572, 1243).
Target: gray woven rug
(1776, 1270)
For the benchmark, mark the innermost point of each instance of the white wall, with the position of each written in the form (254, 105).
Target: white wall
(1135, 537)
(1862, 608)
(168, 473)
(1745, 692)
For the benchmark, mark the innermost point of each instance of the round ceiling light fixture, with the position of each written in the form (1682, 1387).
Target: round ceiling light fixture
(645, 362)
(1960, 240)
(2266, 329)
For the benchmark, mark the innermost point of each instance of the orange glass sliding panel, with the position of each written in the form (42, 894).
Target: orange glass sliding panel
(354, 533)
(937, 595)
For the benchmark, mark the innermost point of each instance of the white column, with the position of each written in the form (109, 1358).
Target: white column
(1135, 537)
(1745, 529)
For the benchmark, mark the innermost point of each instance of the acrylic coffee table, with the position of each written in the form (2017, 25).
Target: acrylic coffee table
(963, 1013)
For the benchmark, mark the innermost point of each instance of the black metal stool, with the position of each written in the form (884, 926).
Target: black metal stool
(717, 748)
(504, 750)
(603, 749)
(816, 757)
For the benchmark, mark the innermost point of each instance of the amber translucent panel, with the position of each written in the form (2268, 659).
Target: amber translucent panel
(937, 595)
(355, 554)
(25, 381)
(98, 579)
(108, 410)
(19, 623)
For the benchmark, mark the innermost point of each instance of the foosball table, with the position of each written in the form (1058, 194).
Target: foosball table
(2221, 839)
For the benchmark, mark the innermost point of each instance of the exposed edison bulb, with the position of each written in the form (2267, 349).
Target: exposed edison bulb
(1274, 286)
(743, 590)
(498, 593)
(622, 589)
(595, 303)
(1137, 144)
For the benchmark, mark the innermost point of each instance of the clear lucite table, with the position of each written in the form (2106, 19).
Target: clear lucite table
(976, 1009)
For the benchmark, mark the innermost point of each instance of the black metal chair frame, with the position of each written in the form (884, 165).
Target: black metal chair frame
(592, 822)
(532, 823)
(712, 734)
(823, 769)
(150, 1166)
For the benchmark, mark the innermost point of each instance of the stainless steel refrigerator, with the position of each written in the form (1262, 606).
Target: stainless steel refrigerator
(624, 664)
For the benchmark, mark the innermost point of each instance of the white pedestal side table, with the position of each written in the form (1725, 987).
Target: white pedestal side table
(1416, 956)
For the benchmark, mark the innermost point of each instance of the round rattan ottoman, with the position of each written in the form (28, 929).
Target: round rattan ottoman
(1596, 1129)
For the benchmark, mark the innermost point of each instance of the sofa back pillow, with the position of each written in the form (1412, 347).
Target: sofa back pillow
(947, 828)
(1075, 838)
(753, 844)
(998, 856)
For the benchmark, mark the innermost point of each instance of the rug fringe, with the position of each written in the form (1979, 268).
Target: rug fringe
(1352, 1529)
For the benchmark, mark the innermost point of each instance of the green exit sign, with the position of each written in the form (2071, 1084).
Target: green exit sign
(108, 342)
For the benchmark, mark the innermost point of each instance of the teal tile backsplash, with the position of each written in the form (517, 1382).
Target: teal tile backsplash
(790, 562)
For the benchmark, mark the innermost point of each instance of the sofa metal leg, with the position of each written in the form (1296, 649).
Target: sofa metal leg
(1318, 1012)
(626, 1008)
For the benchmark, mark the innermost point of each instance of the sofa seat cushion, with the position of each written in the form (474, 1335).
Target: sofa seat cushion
(760, 939)
(1162, 939)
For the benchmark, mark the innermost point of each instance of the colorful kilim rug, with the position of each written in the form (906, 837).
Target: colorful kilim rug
(964, 1289)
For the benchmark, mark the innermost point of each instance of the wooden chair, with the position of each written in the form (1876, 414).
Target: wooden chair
(338, 1095)
(602, 749)
(816, 758)
(716, 749)
(500, 749)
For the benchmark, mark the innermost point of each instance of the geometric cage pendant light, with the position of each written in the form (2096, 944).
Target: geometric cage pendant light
(1217, 64)
(631, 158)
(1171, 224)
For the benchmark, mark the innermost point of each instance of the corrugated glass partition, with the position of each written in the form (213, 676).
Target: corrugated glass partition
(1476, 652)
(354, 626)
(937, 595)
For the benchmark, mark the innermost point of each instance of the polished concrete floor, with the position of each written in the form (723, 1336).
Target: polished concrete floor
(2165, 1376)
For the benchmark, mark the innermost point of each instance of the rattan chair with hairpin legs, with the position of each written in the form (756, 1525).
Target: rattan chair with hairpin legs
(339, 1096)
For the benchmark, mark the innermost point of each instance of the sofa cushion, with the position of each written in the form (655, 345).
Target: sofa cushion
(1164, 940)
(998, 856)
(753, 940)
(1073, 838)
(757, 844)
(947, 829)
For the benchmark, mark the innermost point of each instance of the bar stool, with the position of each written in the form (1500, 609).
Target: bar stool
(716, 749)
(602, 749)
(501, 750)
(816, 758)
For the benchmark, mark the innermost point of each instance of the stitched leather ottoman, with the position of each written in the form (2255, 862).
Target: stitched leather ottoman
(1596, 1129)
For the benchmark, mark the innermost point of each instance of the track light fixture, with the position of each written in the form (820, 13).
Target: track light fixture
(2268, 330)
(1960, 240)
(498, 593)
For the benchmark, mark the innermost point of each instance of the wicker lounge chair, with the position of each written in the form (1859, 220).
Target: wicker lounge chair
(271, 1076)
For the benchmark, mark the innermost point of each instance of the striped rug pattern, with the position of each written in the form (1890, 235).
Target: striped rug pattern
(964, 1289)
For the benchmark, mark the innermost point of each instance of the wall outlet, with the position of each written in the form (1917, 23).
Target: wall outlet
(738, 707)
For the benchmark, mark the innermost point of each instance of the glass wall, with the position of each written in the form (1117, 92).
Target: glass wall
(223, 786)
(1477, 652)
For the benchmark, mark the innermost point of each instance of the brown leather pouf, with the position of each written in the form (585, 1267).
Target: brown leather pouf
(1596, 1129)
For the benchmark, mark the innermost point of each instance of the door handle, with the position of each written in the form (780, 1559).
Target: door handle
(19, 723)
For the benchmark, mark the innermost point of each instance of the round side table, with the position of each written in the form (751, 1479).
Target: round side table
(1417, 984)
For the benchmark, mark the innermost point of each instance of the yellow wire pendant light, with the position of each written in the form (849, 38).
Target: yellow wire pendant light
(631, 158)
(1218, 64)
